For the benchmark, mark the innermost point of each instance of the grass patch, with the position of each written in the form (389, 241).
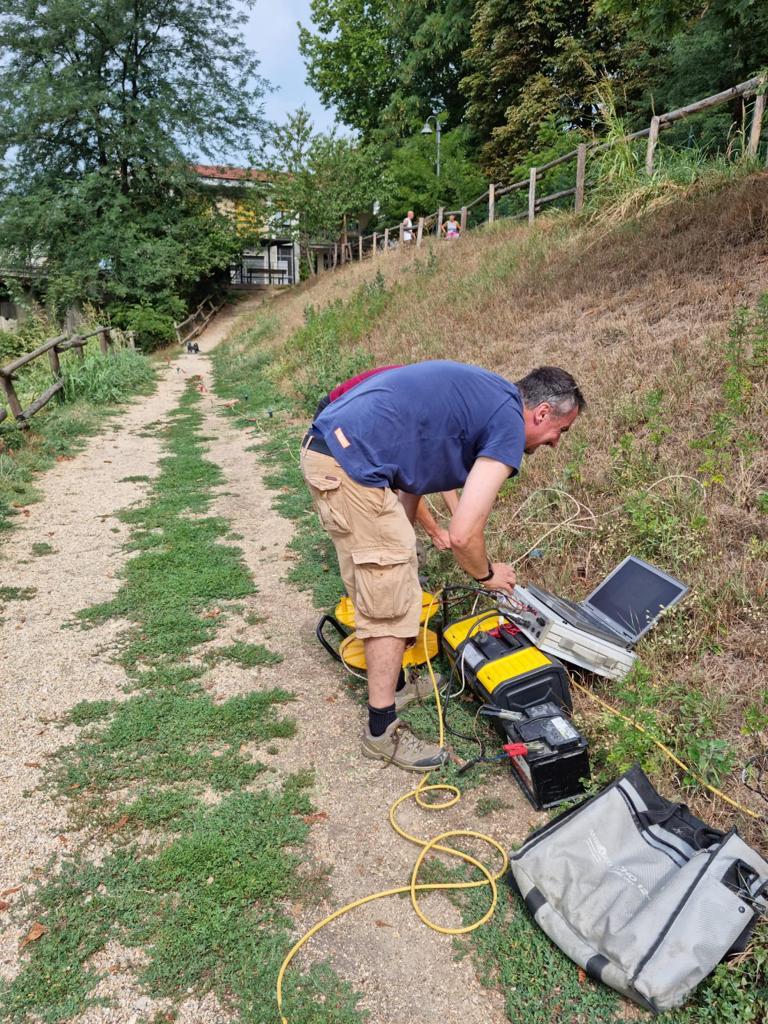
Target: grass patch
(247, 655)
(42, 548)
(17, 593)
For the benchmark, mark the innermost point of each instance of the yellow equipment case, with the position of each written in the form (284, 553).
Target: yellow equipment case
(501, 665)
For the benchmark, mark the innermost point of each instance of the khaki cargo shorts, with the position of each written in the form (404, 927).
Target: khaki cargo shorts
(375, 545)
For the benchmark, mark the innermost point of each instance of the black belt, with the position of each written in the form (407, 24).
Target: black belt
(317, 443)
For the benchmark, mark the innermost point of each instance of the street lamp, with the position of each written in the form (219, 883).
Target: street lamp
(427, 130)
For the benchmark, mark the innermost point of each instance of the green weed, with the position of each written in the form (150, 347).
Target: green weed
(248, 655)
(42, 548)
(17, 593)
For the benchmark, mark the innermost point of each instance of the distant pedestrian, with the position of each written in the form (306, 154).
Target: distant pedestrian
(408, 227)
(451, 228)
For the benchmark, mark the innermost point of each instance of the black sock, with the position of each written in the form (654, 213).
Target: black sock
(400, 681)
(379, 719)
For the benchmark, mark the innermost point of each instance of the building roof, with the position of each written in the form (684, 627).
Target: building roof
(223, 173)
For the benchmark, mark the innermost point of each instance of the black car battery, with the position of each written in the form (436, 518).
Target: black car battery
(548, 754)
(501, 665)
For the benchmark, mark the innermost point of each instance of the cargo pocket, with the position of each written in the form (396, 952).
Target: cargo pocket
(385, 581)
(329, 502)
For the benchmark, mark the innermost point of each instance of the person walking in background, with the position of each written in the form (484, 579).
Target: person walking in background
(451, 228)
(408, 227)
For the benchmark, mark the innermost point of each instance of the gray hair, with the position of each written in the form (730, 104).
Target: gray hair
(553, 385)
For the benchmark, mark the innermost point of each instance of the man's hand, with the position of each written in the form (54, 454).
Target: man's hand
(441, 539)
(503, 577)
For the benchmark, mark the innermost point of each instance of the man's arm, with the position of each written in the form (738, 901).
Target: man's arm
(468, 524)
(438, 534)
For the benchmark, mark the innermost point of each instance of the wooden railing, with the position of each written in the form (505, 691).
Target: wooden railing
(188, 329)
(368, 246)
(53, 349)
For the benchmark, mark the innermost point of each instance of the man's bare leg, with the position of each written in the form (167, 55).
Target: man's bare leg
(383, 658)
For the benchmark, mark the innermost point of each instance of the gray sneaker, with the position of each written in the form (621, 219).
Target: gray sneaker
(401, 747)
(416, 688)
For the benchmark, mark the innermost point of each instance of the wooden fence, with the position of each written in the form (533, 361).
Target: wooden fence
(188, 329)
(52, 348)
(370, 246)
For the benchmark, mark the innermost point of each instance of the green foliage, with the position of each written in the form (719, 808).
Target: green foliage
(745, 365)
(153, 328)
(409, 180)
(532, 60)
(320, 179)
(386, 64)
(107, 380)
(96, 187)
(42, 548)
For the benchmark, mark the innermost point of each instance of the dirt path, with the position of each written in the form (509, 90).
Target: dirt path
(406, 971)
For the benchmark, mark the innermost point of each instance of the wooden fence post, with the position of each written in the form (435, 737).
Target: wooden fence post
(11, 396)
(104, 341)
(386, 239)
(463, 219)
(360, 248)
(532, 195)
(757, 124)
(375, 249)
(401, 234)
(581, 170)
(53, 359)
(420, 231)
(440, 215)
(335, 254)
(653, 138)
(491, 203)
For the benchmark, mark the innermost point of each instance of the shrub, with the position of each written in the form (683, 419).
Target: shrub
(153, 328)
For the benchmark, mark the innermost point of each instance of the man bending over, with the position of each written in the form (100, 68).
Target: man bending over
(431, 426)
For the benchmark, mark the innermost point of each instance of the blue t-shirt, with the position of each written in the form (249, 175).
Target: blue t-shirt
(420, 428)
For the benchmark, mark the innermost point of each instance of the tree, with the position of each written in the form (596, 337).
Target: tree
(531, 60)
(102, 103)
(320, 179)
(386, 64)
(409, 180)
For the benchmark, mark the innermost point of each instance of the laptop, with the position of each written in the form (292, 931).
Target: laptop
(600, 632)
(624, 606)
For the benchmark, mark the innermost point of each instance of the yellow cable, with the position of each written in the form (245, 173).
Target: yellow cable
(666, 750)
(427, 846)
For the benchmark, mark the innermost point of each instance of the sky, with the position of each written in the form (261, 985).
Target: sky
(273, 34)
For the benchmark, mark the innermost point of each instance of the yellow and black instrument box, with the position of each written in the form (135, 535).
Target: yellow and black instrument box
(502, 666)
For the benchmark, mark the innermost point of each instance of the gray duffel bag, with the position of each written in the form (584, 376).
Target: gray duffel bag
(639, 892)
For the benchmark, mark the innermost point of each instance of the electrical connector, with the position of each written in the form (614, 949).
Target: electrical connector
(515, 749)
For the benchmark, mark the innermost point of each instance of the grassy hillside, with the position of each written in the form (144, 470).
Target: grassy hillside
(659, 306)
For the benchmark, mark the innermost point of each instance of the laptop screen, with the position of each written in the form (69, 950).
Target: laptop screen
(635, 595)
